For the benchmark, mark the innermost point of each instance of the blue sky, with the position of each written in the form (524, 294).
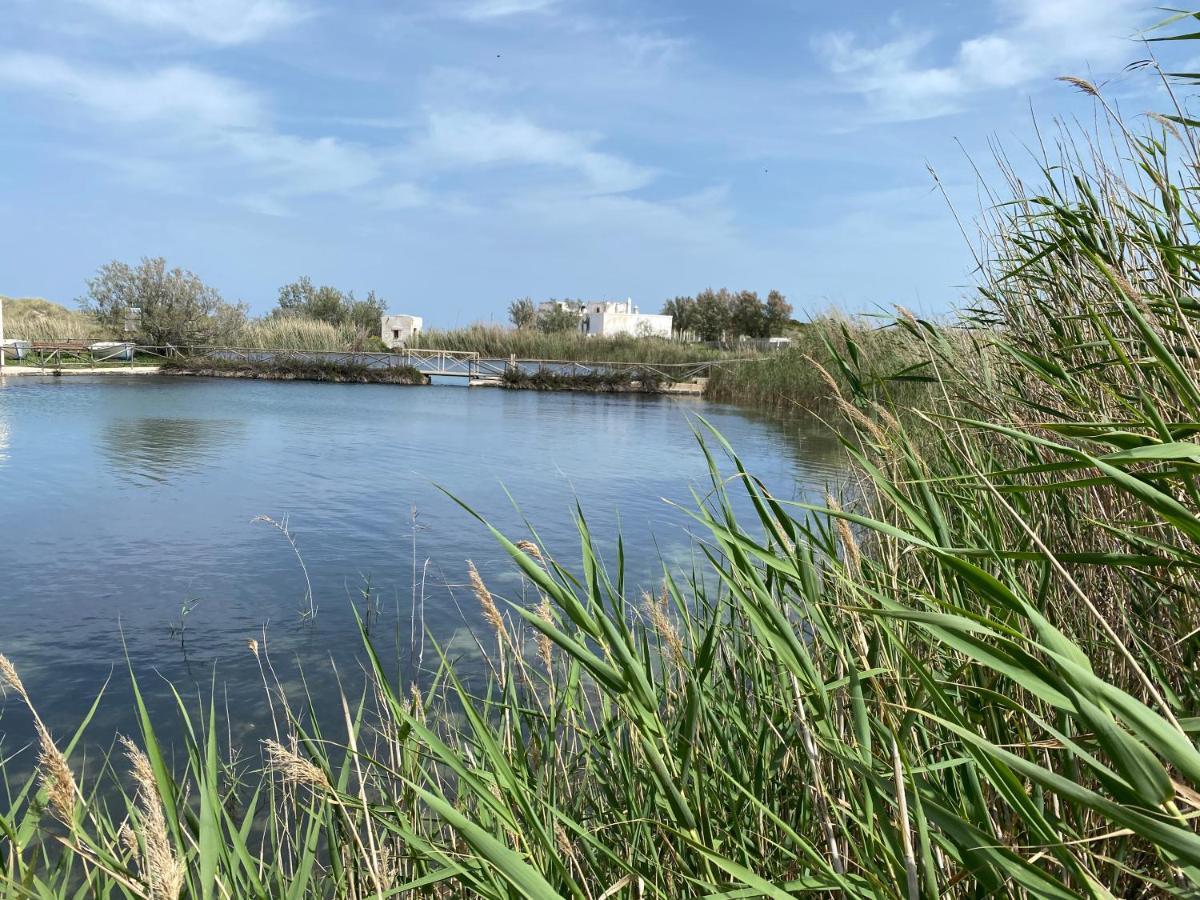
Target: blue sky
(454, 155)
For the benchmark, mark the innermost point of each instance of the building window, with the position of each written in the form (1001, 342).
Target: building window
(396, 333)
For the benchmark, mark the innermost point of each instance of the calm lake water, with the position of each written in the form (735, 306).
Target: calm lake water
(126, 500)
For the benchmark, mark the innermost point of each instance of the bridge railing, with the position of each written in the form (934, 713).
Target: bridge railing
(461, 363)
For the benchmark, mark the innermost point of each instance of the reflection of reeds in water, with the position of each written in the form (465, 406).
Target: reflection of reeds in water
(155, 448)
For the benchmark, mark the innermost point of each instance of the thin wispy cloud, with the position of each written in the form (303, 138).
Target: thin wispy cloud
(488, 10)
(914, 76)
(214, 21)
(462, 139)
(183, 95)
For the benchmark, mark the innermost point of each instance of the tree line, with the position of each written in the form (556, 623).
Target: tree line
(711, 315)
(176, 307)
(525, 316)
(721, 314)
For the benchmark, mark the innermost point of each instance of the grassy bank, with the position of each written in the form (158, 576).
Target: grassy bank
(970, 674)
(285, 369)
(35, 319)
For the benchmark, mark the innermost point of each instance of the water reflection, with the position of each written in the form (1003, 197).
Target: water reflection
(153, 449)
(135, 496)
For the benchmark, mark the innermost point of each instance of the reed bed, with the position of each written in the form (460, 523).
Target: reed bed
(295, 333)
(865, 355)
(969, 672)
(292, 369)
(496, 342)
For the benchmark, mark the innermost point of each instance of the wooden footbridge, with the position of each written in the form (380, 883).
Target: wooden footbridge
(474, 367)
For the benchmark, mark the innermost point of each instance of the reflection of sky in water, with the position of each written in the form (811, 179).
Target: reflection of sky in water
(134, 495)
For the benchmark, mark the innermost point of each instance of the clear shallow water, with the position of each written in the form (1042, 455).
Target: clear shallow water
(124, 499)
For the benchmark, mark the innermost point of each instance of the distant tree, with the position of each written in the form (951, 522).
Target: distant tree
(522, 313)
(364, 315)
(779, 313)
(682, 312)
(176, 306)
(557, 320)
(748, 315)
(302, 299)
(712, 314)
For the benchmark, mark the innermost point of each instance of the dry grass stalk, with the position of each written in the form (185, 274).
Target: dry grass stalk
(486, 603)
(292, 767)
(910, 860)
(162, 870)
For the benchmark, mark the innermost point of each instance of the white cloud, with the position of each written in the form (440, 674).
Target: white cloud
(467, 140)
(199, 122)
(300, 166)
(179, 94)
(216, 21)
(1033, 39)
(642, 48)
(485, 10)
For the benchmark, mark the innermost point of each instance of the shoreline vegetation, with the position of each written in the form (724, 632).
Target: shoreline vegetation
(971, 672)
(292, 370)
(797, 379)
(624, 382)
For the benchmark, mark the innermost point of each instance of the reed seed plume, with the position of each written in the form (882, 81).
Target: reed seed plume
(416, 701)
(845, 534)
(906, 315)
(128, 839)
(56, 776)
(658, 609)
(161, 868)
(830, 382)
(545, 646)
(531, 548)
(293, 768)
(54, 771)
(252, 646)
(486, 602)
(9, 677)
(1081, 83)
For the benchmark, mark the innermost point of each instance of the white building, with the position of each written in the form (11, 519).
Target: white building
(399, 331)
(608, 318)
